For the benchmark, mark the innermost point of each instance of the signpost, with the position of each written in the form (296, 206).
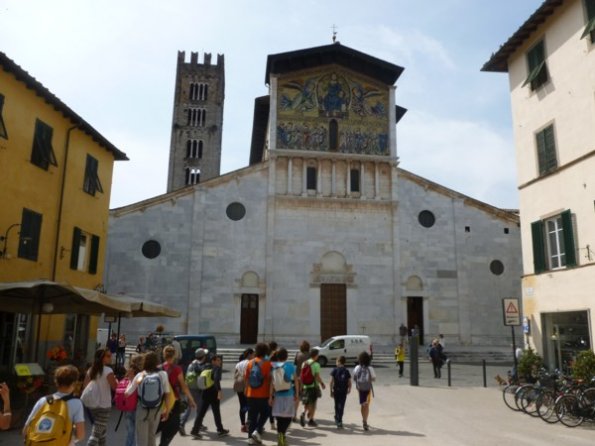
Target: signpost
(512, 317)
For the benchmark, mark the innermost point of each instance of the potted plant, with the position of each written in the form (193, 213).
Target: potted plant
(584, 365)
(529, 365)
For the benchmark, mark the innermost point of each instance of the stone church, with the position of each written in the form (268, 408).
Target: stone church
(322, 233)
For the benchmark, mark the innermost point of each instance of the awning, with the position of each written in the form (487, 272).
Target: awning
(44, 296)
(143, 308)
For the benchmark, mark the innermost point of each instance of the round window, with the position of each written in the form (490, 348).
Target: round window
(151, 249)
(235, 211)
(426, 219)
(496, 267)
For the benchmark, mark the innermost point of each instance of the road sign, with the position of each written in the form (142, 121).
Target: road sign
(512, 312)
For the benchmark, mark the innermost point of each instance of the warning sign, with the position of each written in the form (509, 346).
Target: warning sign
(512, 311)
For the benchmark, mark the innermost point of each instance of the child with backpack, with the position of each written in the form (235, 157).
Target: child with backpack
(364, 376)
(55, 418)
(340, 386)
(152, 385)
(283, 394)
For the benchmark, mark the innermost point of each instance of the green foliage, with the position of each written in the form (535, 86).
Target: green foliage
(529, 364)
(584, 365)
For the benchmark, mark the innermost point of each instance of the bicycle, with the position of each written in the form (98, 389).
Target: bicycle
(572, 409)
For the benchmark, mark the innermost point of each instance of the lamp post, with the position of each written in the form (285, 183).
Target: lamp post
(4, 238)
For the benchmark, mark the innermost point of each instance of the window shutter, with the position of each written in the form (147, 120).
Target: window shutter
(3, 132)
(74, 253)
(590, 6)
(568, 232)
(94, 254)
(540, 139)
(550, 149)
(539, 264)
(29, 235)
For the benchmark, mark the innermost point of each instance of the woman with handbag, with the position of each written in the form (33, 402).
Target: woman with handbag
(97, 395)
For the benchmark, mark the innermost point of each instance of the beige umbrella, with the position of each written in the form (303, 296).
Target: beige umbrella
(144, 308)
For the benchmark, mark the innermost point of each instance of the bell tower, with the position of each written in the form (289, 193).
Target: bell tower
(197, 127)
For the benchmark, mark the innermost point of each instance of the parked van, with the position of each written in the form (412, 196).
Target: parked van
(349, 346)
(190, 343)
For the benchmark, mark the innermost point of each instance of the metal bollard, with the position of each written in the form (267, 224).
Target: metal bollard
(483, 364)
(413, 359)
(448, 371)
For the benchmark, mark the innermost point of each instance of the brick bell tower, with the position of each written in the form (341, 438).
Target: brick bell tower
(197, 127)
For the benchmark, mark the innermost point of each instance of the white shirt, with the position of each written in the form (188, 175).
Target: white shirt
(104, 389)
(370, 368)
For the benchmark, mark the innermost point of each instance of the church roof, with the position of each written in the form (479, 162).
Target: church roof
(499, 60)
(335, 53)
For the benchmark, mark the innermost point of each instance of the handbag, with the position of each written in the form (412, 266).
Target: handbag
(90, 395)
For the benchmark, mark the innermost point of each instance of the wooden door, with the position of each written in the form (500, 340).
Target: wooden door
(249, 319)
(415, 316)
(333, 310)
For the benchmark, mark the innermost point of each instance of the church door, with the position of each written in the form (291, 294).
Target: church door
(333, 310)
(415, 316)
(249, 319)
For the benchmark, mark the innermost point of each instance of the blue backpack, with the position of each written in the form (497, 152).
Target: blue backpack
(255, 378)
(341, 380)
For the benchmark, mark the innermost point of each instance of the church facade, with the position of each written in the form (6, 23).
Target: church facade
(322, 234)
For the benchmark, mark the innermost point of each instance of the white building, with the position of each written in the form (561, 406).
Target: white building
(550, 62)
(322, 234)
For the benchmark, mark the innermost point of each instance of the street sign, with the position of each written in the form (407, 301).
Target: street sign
(512, 313)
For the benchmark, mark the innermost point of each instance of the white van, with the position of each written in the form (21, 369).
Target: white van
(349, 346)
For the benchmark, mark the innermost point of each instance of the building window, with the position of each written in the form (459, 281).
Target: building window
(151, 249)
(426, 219)
(3, 132)
(192, 176)
(496, 267)
(42, 154)
(197, 117)
(546, 150)
(194, 148)
(333, 135)
(30, 234)
(235, 211)
(85, 251)
(198, 92)
(311, 178)
(590, 12)
(553, 243)
(92, 183)
(538, 74)
(355, 183)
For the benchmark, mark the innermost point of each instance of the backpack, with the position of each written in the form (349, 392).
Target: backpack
(238, 382)
(194, 370)
(51, 424)
(205, 379)
(255, 378)
(341, 380)
(150, 391)
(280, 380)
(122, 402)
(363, 379)
(306, 374)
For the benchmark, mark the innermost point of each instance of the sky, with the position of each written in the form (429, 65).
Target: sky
(114, 62)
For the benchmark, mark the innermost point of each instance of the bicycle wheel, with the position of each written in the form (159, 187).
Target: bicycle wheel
(568, 410)
(588, 396)
(546, 403)
(518, 396)
(528, 401)
(508, 394)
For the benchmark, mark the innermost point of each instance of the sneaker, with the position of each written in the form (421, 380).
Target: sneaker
(303, 420)
(251, 441)
(312, 423)
(366, 428)
(244, 428)
(256, 437)
(182, 431)
(222, 433)
(195, 434)
(203, 428)
(340, 425)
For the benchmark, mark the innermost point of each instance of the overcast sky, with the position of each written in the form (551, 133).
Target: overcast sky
(113, 62)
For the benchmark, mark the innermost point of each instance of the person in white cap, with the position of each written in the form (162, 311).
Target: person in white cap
(194, 368)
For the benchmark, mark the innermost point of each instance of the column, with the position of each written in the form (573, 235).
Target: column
(348, 179)
(376, 182)
(333, 179)
(362, 185)
(289, 175)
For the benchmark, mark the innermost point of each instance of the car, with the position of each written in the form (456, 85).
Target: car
(349, 346)
(190, 343)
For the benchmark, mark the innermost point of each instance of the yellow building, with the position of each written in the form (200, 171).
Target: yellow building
(55, 184)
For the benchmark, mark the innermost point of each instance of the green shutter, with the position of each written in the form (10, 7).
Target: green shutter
(94, 254)
(546, 150)
(537, 68)
(74, 253)
(590, 7)
(539, 261)
(29, 235)
(540, 139)
(3, 132)
(568, 233)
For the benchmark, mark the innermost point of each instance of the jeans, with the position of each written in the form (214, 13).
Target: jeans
(209, 399)
(258, 412)
(243, 407)
(340, 398)
(169, 428)
(196, 395)
(129, 419)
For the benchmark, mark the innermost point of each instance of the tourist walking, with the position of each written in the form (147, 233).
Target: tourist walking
(311, 382)
(436, 358)
(135, 366)
(121, 351)
(193, 371)
(153, 386)
(340, 386)
(400, 358)
(239, 385)
(283, 394)
(258, 388)
(97, 395)
(364, 376)
(211, 398)
(300, 357)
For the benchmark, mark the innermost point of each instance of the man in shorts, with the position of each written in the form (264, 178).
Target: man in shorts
(311, 391)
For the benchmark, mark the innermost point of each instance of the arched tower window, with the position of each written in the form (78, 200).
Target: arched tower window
(200, 146)
(192, 176)
(333, 135)
(196, 117)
